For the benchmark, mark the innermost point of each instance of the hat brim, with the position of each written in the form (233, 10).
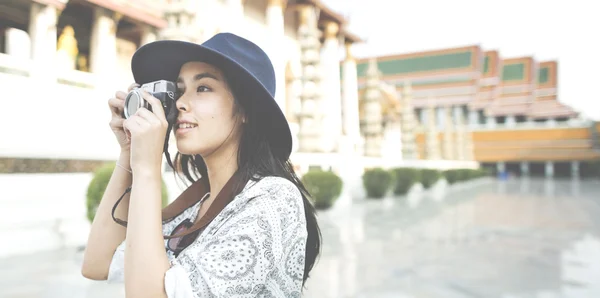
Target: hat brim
(162, 60)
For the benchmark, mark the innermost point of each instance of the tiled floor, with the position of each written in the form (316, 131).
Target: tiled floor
(521, 238)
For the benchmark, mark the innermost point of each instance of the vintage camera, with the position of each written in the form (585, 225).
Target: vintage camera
(165, 91)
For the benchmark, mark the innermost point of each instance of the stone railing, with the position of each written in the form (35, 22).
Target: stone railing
(57, 115)
(15, 66)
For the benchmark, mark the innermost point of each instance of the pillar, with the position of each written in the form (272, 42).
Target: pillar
(350, 121)
(148, 35)
(310, 116)
(491, 121)
(409, 124)
(235, 13)
(276, 26)
(510, 121)
(549, 169)
(432, 146)
(524, 168)
(575, 169)
(103, 46)
(449, 146)
(332, 97)
(473, 118)
(18, 43)
(373, 129)
(501, 167)
(42, 32)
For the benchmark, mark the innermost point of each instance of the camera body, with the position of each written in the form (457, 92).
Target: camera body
(165, 91)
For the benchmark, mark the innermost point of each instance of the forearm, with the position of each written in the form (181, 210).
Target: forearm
(146, 261)
(105, 234)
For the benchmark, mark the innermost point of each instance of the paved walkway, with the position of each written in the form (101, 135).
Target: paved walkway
(522, 238)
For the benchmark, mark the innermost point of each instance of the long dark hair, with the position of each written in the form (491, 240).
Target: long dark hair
(256, 159)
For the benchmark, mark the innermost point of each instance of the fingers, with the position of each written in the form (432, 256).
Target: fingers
(116, 106)
(122, 95)
(117, 122)
(157, 107)
(134, 124)
(147, 116)
(134, 85)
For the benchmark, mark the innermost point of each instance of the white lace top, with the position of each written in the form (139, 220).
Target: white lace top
(254, 247)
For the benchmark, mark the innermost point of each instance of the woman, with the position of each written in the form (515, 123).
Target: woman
(245, 228)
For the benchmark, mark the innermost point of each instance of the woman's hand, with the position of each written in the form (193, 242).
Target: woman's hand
(147, 131)
(116, 105)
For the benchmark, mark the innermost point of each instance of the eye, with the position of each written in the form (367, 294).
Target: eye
(203, 89)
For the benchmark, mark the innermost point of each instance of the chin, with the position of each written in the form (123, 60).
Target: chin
(188, 148)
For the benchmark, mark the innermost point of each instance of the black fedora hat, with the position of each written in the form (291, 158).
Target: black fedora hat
(247, 67)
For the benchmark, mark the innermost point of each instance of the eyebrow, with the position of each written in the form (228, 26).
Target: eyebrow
(201, 76)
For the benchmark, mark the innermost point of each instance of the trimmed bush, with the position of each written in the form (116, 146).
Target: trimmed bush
(452, 176)
(404, 179)
(429, 177)
(324, 187)
(377, 182)
(98, 185)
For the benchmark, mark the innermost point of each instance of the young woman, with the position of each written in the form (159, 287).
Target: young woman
(245, 227)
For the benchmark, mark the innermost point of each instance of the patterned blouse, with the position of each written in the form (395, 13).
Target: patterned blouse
(254, 247)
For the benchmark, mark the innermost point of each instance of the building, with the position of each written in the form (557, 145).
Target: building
(60, 62)
(509, 105)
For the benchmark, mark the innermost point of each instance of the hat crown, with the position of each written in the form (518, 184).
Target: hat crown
(248, 55)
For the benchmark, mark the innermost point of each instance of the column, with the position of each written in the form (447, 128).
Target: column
(350, 121)
(549, 169)
(18, 43)
(332, 97)
(310, 116)
(449, 146)
(524, 168)
(473, 118)
(501, 167)
(276, 27)
(235, 12)
(373, 130)
(42, 31)
(103, 43)
(148, 35)
(432, 146)
(575, 169)
(409, 124)
(491, 121)
(510, 121)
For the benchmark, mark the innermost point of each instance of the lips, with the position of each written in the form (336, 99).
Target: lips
(185, 127)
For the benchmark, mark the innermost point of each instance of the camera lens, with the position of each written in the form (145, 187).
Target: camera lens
(133, 102)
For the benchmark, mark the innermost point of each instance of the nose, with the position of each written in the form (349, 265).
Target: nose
(181, 104)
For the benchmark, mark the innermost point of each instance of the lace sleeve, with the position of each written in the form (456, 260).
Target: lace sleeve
(259, 251)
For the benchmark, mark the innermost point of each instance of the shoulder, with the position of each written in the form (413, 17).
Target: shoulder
(275, 192)
(272, 185)
(272, 197)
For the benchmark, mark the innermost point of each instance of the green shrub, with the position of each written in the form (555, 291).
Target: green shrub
(404, 179)
(377, 182)
(324, 187)
(98, 184)
(429, 177)
(452, 176)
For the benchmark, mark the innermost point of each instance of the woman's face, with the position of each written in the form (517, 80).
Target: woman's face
(207, 119)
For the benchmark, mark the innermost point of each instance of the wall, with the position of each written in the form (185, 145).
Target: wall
(42, 212)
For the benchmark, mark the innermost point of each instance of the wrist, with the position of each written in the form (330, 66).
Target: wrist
(146, 171)
(124, 159)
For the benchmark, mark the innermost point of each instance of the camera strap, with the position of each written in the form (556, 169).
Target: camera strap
(189, 197)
